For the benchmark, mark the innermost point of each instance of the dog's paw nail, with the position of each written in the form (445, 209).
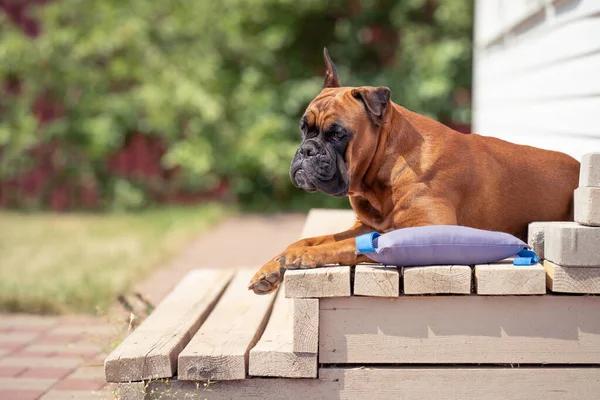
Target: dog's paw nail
(262, 287)
(273, 278)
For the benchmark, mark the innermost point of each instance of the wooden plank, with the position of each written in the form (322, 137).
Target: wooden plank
(460, 329)
(507, 279)
(324, 222)
(439, 279)
(151, 350)
(536, 233)
(488, 21)
(131, 390)
(317, 282)
(590, 170)
(535, 237)
(376, 281)
(518, 13)
(572, 78)
(572, 279)
(572, 245)
(219, 350)
(306, 325)
(401, 383)
(575, 115)
(587, 205)
(534, 51)
(274, 354)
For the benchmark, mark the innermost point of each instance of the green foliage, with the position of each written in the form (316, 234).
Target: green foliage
(223, 83)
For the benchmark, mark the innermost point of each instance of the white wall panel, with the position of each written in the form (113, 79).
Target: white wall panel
(537, 81)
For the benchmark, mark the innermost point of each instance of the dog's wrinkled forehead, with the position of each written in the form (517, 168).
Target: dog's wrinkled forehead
(331, 106)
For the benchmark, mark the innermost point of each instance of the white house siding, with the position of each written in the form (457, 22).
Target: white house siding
(537, 73)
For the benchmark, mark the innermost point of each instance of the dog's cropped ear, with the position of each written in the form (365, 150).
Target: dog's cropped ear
(331, 75)
(376, 100)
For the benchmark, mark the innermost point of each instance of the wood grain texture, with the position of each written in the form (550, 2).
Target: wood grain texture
(151, 350)
(324, 222)
(132, 391)
(440, 279)
(219, 350)
(274, 353)
(460, 329)
(317, 282)
(306, 325)
(401, 383)
(572, 279)
(376, 281)
(508, 279)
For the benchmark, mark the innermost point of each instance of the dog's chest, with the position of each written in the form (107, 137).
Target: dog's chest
(371, 212)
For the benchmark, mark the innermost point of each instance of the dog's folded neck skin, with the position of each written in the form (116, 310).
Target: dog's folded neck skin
(398, 147)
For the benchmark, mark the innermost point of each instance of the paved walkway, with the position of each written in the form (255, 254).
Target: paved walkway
(54, 357)
(63, 357)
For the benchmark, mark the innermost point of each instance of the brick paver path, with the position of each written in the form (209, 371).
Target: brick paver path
(55, 358)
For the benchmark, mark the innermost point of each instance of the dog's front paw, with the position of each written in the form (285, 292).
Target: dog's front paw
(267, 279)
(301, 257)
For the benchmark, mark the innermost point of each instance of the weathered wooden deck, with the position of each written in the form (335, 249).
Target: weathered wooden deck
(483, 332)
(446, 332)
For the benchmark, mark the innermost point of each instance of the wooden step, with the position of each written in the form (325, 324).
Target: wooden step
(151, 350)
(504, 278)
(460, 330)
(584, 280)
(327, 281)
(438, 279)
(318, 282)
(274, 353)
(376, 281)
(472, 383)
(305, 315)
(219, 350)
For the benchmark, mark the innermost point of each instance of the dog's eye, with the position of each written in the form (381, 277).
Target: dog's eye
(338, 135)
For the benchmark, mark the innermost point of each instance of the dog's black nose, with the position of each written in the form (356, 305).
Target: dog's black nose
(309, 149)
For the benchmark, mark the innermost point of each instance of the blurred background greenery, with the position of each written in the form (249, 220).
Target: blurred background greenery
(138, 107)
(117, 104)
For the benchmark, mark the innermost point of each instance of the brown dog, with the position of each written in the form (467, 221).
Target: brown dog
(401, 169)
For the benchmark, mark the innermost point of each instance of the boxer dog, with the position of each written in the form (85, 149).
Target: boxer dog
(401, 169)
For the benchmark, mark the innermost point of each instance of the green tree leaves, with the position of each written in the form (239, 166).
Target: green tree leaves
(222, 83)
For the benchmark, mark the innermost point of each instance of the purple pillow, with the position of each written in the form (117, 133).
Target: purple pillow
(439, 245)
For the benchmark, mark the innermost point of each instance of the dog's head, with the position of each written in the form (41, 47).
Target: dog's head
(339, 134)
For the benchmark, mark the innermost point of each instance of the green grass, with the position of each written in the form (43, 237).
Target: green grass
(59, 263)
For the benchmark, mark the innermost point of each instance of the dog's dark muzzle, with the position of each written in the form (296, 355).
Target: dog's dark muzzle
(316, 167)
(300, 180)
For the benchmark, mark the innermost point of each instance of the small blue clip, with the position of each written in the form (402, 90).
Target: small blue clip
(525, 258)
(364, 243)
